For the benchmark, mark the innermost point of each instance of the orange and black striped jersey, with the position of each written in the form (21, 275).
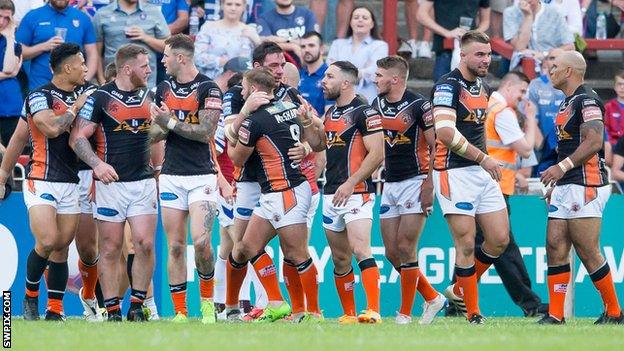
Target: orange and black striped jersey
(123, 122)
(345, 127)
(404, 123)
(233, 103)
(469, 100)
(582, 106)
(183, 156)
(272, 130)
(51, 159)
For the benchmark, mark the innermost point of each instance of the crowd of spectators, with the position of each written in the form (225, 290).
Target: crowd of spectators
(227, 31)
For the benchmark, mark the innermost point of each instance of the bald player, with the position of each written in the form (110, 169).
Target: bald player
(580, 190)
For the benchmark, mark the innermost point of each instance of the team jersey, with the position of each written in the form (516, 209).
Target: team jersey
(469, 100)
(233, 103)
(345, 127)
(51, 159)
(404, 123)
(82, 166)
(308, 168)
(272, 130)
(582, 106)
(185, 157)
(123, 122)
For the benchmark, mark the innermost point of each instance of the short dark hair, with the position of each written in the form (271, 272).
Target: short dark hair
(374, 31)
(110, 72)
(128, 52)
(619, 74)
(311, 34)
(396, 62)
(261, 77)
(472, 36)
(348, 68)
(263, 50)
(517, 75)
(236, 79)
(7, 5)
(181, 42)
(60, 53)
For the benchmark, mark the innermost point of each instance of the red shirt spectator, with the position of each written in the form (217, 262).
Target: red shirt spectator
(614, 111)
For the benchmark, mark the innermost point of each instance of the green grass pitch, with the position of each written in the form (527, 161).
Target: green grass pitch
(445, 334)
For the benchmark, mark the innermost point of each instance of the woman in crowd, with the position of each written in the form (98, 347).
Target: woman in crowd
(363, 47)
(219, 41)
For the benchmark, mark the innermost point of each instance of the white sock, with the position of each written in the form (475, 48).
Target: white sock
(245, 290)
(219, 280)
(151, 304)
(261, 296)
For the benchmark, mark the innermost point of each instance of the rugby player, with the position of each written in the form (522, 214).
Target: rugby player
(355, 148)
(51, 194)
(187, 109)
(580, 191)
(118, 114)
(407, 197)
(465, 177)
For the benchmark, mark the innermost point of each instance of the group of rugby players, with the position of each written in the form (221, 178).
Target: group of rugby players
(278, 147)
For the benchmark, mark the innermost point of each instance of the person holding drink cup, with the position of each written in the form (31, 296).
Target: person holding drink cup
(45, 28)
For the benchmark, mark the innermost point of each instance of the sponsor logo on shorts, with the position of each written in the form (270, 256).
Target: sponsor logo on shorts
(384, 208)
(168, 196)
(355, 210)
(47, 196)
(409, 204)
(576, 207)
(466, 206)
(560, 288)
(276, 217)
(108, 212)
(327, 220)
(244, 211)
(553, 208)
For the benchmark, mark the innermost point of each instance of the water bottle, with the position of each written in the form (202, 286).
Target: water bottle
(601, 26)
(193, 23)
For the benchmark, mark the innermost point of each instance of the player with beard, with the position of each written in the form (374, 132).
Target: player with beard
(118, 114)
(354, 150)
(187, 109)
(407, 197)
(465, 177)
(580, 191)
(236, 109)
(51, 194)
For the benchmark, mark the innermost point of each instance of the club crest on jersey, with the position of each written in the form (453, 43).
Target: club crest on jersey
(76, 23)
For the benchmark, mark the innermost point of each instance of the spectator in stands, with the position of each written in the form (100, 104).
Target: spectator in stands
(233, 67)
(617, 167)
(285, 24)
(547, 100)
(533, 28)
(219, 41)
(10, 64)
(176, 13)
(451, 19)
(130, 21)
(44, 28)
(362, 47)
(23, 6)
(313, 70)
(571, 12)
(209, 10)
(614, 110)
(343, 10)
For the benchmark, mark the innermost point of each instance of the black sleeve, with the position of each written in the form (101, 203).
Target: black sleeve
(425, 114)
(369, 121)
(209, 97)
(250, 130)
(232, 101)
(91, 110)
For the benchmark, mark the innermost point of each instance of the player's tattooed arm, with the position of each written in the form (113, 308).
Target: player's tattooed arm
(51, 125)
(156, 134)
(202, 132)
(592, 141)
(79, 142)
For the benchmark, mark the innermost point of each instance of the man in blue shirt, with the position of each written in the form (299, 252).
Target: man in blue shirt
(176, 14)
(285, 24)
(10, 63)
(547, 100)
(312, 71)
(41, 30)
